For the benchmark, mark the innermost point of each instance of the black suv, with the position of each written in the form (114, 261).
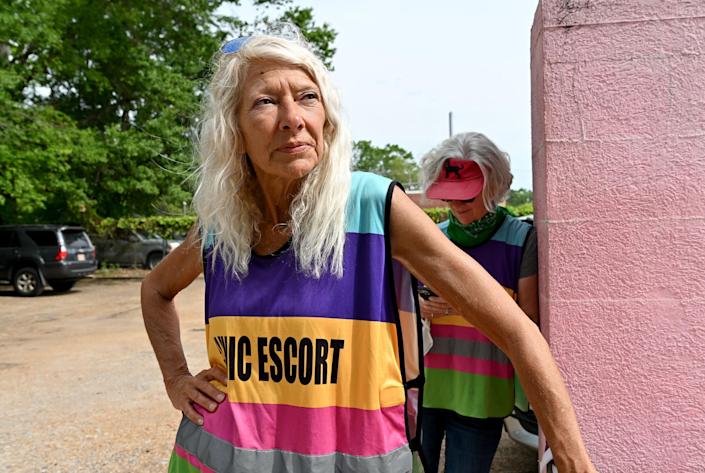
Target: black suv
(32, 256)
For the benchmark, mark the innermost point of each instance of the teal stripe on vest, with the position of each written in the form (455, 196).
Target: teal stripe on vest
(210, 240)
(365, 207)
(512, 231)
(365, 210)
(444, 226)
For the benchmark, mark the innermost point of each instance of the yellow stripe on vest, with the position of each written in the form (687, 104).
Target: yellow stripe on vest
(319, 362)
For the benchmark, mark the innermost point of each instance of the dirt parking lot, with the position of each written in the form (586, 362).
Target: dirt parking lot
(82, 390)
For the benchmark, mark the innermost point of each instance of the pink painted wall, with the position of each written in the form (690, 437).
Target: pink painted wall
(618, 111)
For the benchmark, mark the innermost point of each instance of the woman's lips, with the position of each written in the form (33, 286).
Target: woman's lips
(293, 149)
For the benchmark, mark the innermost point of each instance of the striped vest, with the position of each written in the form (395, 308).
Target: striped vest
(316, 382)
(465, 371)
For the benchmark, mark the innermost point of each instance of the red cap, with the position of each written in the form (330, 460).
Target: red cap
(460, 179)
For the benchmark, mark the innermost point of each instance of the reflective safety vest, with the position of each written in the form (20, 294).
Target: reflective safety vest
(324, 375)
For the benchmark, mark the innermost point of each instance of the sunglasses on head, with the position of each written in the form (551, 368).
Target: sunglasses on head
(234, 45)
(466, 201)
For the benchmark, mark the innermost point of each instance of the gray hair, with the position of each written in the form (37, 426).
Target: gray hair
(472, 146)
(225, 196)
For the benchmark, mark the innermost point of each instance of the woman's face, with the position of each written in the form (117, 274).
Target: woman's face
(281, 117)
(468, 212)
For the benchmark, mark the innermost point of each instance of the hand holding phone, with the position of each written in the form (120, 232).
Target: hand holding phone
(425, 292)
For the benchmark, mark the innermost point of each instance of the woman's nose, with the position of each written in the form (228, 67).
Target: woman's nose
(290, 117)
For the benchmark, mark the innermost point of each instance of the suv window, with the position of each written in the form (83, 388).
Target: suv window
(148, 235)
(8, 239)
(76, 239)
(124, 234)
(43, 237)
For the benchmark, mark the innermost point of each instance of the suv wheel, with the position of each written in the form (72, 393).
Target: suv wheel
(62, 286)
(153, 259)
(27, 282)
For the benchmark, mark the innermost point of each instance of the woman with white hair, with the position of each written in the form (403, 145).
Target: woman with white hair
(470, 383)
(310, 321)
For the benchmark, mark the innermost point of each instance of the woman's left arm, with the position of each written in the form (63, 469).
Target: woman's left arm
(421, 247)
(528, 296)
(528, 290)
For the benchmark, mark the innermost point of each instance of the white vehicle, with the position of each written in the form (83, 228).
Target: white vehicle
(522, 427)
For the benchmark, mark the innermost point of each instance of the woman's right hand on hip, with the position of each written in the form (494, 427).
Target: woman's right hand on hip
(186, 390)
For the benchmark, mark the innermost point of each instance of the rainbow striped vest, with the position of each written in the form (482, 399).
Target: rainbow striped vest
(465, 371)
(324, 374)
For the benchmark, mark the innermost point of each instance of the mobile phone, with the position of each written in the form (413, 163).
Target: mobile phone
(426, 292)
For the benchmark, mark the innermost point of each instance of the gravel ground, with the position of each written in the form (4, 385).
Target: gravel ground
(83, 391)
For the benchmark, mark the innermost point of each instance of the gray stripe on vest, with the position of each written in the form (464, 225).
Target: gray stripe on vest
(469, 349)
(223, 457)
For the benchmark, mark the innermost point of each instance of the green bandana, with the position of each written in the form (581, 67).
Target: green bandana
(477, 232)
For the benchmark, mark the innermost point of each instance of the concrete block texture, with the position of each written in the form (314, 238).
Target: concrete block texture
(614, 42)
(635, 99)
(618, 129)
(634, 381)
(656, 180)
(626, 260)
(567, 13)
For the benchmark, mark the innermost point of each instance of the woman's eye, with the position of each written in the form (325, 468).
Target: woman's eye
(308, 96)
(264, 101)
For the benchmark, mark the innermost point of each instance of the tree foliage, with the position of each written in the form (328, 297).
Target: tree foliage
(321, 38)
(98, 99)
(520, 196)
(392, 161)
(165, 226)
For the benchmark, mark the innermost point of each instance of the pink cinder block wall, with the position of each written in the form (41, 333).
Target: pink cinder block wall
(618, 112)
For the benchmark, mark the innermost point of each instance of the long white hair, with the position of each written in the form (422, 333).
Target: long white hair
(225, 197)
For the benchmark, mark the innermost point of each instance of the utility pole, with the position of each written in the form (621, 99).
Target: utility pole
(450, 124)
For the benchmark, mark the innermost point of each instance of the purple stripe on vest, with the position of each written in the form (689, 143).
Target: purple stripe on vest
(405, 299)
(294, 294)
(500, 259)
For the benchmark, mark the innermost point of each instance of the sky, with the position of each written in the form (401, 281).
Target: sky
(402, 66)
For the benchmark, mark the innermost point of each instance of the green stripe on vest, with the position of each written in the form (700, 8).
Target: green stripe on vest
(444, 387)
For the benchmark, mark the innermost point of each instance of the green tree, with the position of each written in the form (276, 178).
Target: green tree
(98, 99)
(392, 161)
(520, 196)
(321, 38)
